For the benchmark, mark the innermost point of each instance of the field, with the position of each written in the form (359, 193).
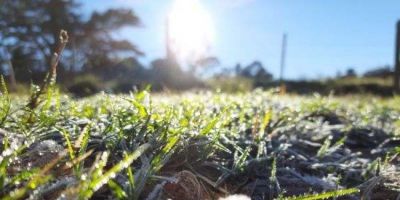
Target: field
(199, 145)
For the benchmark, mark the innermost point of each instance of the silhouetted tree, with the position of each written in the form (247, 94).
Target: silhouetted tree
(381, 72)
(204, 64)
(210, 61)
(29, 31)
(351, 73)
(238, 68)
(167, 74)
(98, 45)
(256, 71)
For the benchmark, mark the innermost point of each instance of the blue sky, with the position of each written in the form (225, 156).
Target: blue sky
(324, 35)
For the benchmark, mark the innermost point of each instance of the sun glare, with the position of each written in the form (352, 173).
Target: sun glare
(191, 29)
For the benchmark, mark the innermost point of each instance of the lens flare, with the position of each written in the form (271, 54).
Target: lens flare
(191, 29)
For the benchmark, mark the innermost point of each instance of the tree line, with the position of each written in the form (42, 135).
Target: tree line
(28, 35)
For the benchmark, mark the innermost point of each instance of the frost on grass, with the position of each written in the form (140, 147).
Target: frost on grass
(200, 146)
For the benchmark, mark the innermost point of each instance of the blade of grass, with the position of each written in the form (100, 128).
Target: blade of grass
(99, 181)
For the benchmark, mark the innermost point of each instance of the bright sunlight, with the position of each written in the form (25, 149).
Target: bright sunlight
(191, 29)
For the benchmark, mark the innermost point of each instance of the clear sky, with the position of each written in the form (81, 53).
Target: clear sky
(324, 35)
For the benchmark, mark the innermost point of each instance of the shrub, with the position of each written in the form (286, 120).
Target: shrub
(85, 85)
(231, 84)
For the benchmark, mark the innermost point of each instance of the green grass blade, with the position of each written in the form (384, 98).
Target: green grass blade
(96, 183)
(325, 195)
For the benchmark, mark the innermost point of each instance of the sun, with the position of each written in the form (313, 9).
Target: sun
(191, 30)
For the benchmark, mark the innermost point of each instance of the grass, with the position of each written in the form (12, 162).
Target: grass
(124, 146)
(363, 80)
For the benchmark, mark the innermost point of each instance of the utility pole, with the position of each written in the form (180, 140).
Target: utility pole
(168, 48)
(167, 40)
(396, 84)
(283, 62)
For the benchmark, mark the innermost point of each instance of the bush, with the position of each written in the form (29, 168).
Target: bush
(127, 86)
(85, 85)
(231, 84)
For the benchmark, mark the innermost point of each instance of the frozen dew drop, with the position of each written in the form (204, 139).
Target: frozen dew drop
(83, 177)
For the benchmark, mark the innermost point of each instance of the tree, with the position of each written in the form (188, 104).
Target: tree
(203, 65)
(98, 45)
(351, 72)
(380, 72)
(29, 31)
(33, 26)
(256, 71)
(167, 74)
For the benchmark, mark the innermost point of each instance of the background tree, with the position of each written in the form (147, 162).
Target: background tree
(255, 70)
(350, 72)
(380, 72)
(29, 31)
(97, 44)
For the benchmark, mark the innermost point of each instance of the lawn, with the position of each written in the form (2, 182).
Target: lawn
(199, 145)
